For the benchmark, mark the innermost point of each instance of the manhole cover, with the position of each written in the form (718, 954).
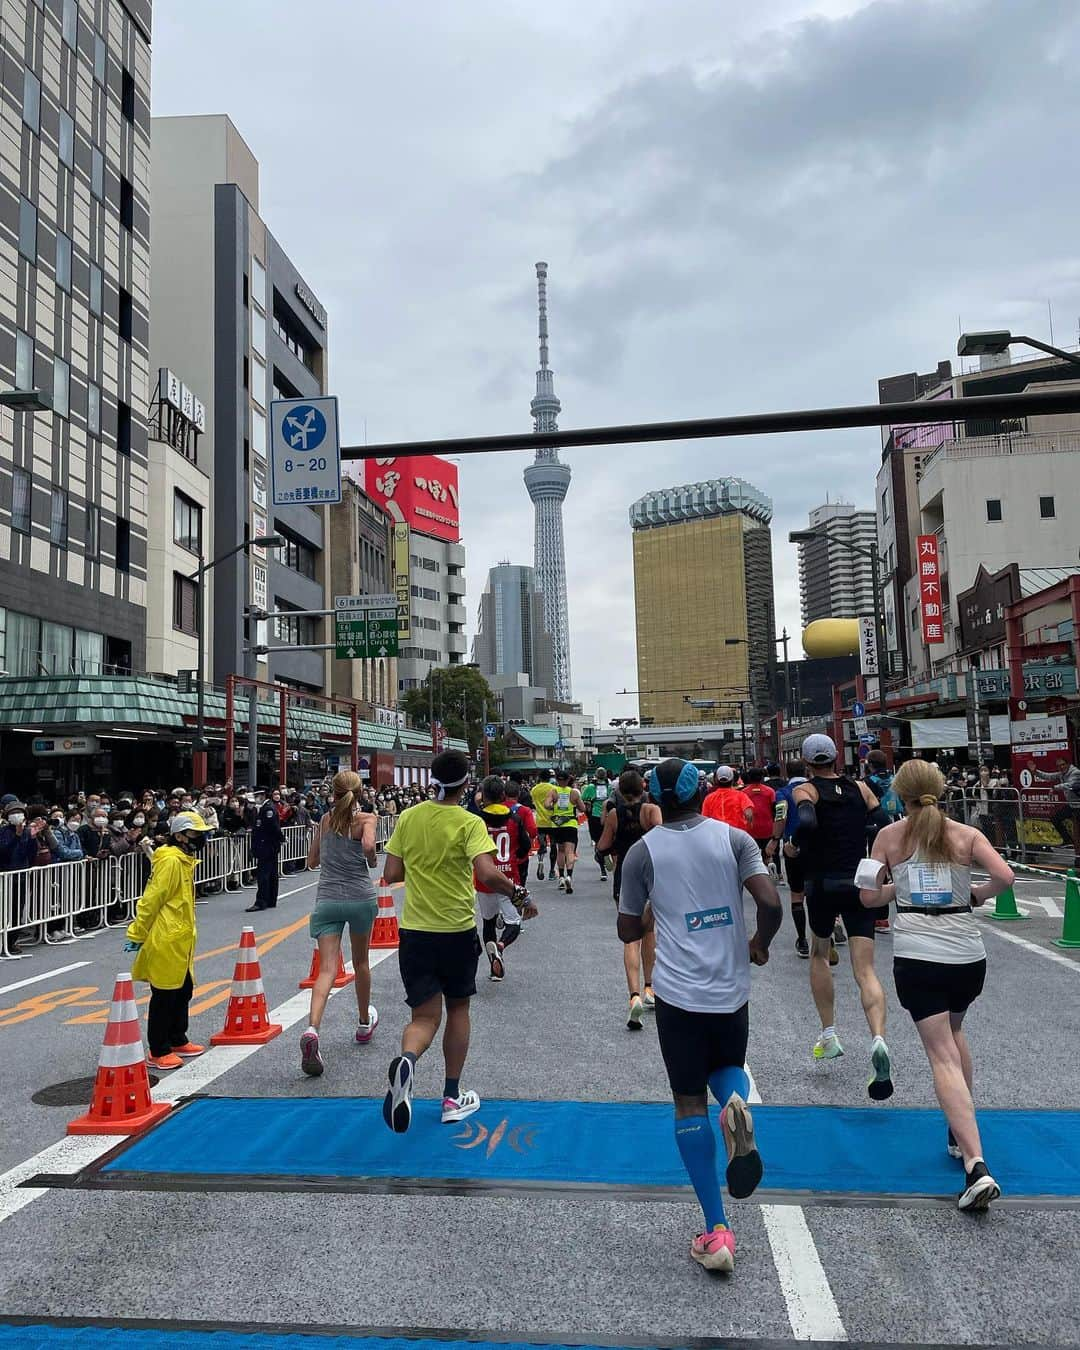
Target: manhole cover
(75, 1092)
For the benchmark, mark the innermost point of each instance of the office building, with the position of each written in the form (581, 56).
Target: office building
(235, 318)
(703, 598)
(74, 326)
(835, 576)
(420, 496)
(511, 634)
(360, 565)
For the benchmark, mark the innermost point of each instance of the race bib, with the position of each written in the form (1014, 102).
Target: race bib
(931, 885)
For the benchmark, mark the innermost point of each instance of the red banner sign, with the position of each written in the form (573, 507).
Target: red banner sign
(929, 574)
(421, 493)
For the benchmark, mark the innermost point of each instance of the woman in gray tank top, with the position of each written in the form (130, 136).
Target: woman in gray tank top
(939, 961)
(343, 848)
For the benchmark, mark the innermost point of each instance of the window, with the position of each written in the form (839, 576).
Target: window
(31, 100)
(58, 518)
(1046, 508)
(300, 631)
(258, 332)
(24, 361)
(258, 432)
(297, 557)
(70, 24)
(127, 204)
(21, 489)
(28, 229)
(63, 261)
(99, 58)
(257, 380)
(258, 283)
(187, 523)
(185, 616)
(97, 173)
(127, 95)
(993, 508)
(126, 316)
(884, 504)
(61, 389)
(284, 388)
(424, 593)
(92, 535)
(123, 545)
(66, 137)
(123, 428)
(97, 290)
(93, 409)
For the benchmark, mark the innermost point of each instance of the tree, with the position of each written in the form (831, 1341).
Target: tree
(459, 697)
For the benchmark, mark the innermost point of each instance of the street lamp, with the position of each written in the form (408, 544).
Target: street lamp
(200, 743)
(999, 341)
(26, 400)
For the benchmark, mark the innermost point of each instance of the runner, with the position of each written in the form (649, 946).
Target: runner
(540, 794)
(343, 848)
(686, 878)
(596, 797)
(511, 840)
(435, 849)
(628, 817)
(939, 960)
(563, 805)
(727, 802)
(763, 800)
(834, 815)
(879, 779)
(782, 843)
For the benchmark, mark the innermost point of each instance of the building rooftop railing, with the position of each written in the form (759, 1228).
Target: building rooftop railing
(1007, 443)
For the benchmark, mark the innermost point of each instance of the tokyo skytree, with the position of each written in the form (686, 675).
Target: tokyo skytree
(548, 481)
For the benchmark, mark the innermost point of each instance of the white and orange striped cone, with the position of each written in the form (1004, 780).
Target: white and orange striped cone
(341, 979)
(385, 931)
(247, 1021)
(121, 1103)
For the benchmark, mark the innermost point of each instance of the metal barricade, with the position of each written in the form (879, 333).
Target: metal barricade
(294, 846)
(238, 853)
(998, 813)
(383, 830)
(215, 863)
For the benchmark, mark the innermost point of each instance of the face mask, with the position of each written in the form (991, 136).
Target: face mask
(56, 820)
(74, 823)
(194, 843)
(138, 820)
(100, 822)
(16, 818)
(117, 827)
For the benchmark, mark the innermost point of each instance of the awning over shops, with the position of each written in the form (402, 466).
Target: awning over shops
(949, 733)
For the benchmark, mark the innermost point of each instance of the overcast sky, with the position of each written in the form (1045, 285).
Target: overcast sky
(740, 212)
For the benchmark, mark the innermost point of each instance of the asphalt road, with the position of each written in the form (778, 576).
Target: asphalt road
(563, 1266)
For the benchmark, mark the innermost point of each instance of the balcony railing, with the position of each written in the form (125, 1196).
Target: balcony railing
(1007, 443)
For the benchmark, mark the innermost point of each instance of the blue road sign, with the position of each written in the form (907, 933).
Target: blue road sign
(489, 731)
(858, 710)
(305, 454)
(864, 749)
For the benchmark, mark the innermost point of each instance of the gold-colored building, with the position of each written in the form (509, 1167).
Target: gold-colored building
(702, 575)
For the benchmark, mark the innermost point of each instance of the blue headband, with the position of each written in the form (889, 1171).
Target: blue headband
(685, 788)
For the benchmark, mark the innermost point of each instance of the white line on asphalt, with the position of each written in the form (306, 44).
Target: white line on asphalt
(811, 1308)
(72, 1154)
(1065, 961)
(47, 975)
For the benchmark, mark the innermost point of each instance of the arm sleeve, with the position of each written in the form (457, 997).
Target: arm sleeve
(637, 879)
(808, 821)
(747, 856)
(477, 839)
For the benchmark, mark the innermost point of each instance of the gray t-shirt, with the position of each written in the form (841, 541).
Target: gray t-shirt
(692, 872)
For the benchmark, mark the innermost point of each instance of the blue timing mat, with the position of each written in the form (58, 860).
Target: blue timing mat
(858, 1151)
(46, 1336)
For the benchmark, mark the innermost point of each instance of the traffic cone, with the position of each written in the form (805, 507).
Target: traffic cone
(1005, 906)
(1070, 929)
(341, 979)
(385, 931)
(247, 1021)
(121, 1103)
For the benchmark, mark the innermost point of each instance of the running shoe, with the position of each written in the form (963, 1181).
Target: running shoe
(397, 1104)
(839, 934)
(165, 1061)
(457, 1108)
(310, 1060)
(539, 871)
(880, 1086)
(562, 883)
(648, 997)
(828, 1047)
(715, 1250)
(636, 1015)
(366, 1030)
(744, 1169)
(834, 955)
(188, 1050)
(980, 1188)
(498, 970)
(569, 886)
(802, 948)
(952, 1147)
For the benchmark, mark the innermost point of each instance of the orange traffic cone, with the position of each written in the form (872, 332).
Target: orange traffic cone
(247, 1021)
(121, 1103)
(385, 932)
(341, 979)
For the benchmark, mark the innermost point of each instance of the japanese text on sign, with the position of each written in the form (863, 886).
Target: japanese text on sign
(930, 602)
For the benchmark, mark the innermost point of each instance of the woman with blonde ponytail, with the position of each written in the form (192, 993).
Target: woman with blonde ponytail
(939, 960)
(343, 848)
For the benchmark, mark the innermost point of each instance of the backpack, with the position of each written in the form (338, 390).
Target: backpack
(888, 797)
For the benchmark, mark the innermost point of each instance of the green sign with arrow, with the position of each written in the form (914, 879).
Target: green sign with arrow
(365, 626)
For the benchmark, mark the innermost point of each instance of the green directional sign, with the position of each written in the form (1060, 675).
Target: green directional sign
(365, 626)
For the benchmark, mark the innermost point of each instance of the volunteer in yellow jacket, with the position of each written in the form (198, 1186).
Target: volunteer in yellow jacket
(434, 849)
(162, 934)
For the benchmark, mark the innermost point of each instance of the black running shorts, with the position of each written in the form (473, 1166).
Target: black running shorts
(926, 988)
(828, 900)
(796, 879)
(438, 963)
(565, 834)
(596, 828)
(694, 1045)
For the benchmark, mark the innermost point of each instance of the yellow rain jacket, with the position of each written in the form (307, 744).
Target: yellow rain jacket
(165, 920)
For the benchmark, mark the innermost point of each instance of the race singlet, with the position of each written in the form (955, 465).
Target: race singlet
(600, 798)
(563, 812)
(931, 885)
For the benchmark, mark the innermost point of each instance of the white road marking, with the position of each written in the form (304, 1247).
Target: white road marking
(72, 1154)
(46, 975)
(1065, 961)
(1046, 903)
(811, 1308)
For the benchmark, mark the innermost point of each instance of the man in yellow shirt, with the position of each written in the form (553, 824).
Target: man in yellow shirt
(435, 848)
(545, 827)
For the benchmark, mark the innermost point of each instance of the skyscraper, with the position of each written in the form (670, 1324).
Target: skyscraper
(548, 481)
(834, 581)
(511, 633)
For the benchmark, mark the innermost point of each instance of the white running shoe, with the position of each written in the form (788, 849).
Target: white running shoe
(366, 1030)
(498, 970)
(828, 1047)
(457, 1108)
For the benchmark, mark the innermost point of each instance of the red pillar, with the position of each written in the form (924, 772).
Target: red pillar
(354, 748)
(230, 734)
(283, 739)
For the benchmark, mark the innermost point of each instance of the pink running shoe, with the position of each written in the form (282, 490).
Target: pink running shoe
(715, 1250)
(366, 1030)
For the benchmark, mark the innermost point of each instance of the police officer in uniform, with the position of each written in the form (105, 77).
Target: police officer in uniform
(265, 847)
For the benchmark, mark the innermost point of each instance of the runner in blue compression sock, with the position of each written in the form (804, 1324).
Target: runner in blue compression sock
(697, 1146)
(728, 1080)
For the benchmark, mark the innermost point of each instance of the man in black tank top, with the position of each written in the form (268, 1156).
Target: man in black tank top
(835, 814)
